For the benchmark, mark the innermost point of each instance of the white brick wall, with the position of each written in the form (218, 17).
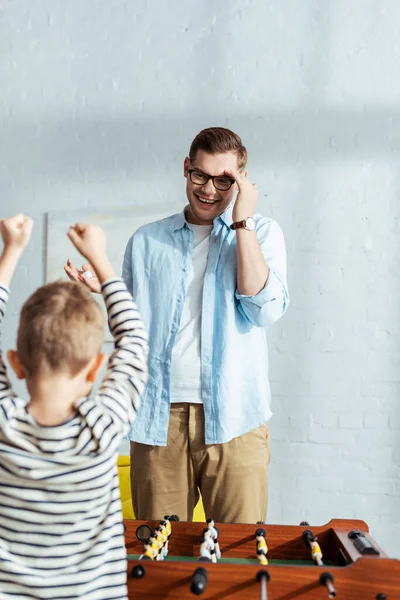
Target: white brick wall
(99, 102)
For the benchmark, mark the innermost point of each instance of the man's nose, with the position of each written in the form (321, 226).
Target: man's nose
(208, 188)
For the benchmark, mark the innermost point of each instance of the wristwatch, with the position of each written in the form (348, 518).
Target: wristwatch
(248, 224)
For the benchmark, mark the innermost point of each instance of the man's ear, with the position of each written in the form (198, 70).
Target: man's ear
(96, 367)
(186, 166)
(16, 365)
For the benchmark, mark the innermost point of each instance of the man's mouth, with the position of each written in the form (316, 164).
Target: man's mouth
(206, 200)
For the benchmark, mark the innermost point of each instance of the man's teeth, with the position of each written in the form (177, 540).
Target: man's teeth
(206, 201)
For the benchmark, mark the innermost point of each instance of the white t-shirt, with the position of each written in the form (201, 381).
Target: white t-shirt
(186, 354)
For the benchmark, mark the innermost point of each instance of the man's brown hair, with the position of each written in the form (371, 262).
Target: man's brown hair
(61, 328)
(218, 140)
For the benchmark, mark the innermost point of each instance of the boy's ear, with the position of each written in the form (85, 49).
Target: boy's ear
(94, 370)
(16, 365)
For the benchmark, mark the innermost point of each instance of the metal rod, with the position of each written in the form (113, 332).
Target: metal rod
(263, 589)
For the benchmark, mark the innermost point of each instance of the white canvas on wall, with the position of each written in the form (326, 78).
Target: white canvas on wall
(118, 223)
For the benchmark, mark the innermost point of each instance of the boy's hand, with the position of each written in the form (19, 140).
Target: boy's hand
(16, 231)
(89, 240)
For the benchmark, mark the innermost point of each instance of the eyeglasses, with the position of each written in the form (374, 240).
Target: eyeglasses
(220, 183)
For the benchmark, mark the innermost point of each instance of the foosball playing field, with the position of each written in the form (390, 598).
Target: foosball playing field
(172, 559)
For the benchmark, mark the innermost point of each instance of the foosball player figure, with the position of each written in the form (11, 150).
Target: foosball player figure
(164, 532)
(261, 546)
(156, 545)
(161, 538)
(173, 519)
(167, 524)
(149, 553)
(207, 547)
(214, 535)
(311, 542)
(205, 553)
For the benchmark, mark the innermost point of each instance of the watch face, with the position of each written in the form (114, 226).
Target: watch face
(250, 224)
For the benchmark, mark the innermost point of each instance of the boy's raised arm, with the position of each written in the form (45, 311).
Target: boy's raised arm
(126, 377)
(15, 233)
(125, 381)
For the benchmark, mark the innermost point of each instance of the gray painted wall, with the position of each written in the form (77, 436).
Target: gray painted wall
(99, 102)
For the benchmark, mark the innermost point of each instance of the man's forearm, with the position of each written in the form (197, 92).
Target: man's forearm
(252, 270)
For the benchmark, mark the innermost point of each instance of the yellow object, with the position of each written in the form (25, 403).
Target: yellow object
(125, 491)
(315, 550)
(150, 553)
(262, 545)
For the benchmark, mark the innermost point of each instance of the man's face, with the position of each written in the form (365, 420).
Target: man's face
(206, 202)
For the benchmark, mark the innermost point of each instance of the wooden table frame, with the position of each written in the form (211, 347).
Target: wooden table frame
(360, 577)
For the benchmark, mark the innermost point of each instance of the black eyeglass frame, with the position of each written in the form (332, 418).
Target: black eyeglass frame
(212, 177)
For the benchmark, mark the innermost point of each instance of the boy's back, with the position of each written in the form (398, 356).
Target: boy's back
(61, 534)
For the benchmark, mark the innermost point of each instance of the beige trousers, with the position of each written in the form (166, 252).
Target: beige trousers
(232, 477)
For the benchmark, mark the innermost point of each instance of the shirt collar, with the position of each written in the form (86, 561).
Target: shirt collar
(179, 220)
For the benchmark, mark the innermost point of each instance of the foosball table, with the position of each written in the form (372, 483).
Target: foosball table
(180, 560)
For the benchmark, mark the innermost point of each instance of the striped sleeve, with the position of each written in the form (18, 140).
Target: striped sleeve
(126, 376)
(6, 392)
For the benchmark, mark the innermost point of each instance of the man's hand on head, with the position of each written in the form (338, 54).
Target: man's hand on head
(247, 197)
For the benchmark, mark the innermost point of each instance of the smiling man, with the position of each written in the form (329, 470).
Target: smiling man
(208, 282)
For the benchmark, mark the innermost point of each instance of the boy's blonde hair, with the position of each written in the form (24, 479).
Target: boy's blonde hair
(218, 140)
(61, 328)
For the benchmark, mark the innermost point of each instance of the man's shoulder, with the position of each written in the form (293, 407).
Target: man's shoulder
(161, 225)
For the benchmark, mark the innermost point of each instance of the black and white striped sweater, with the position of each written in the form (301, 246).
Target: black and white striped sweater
(61, 533)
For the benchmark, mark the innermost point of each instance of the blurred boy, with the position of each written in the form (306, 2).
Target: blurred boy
(61, 534)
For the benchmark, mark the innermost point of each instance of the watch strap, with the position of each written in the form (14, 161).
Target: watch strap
(239, 224)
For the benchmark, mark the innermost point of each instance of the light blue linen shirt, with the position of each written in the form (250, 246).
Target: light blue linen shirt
(234, 355)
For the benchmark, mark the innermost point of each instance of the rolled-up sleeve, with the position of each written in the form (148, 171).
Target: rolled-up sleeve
(272, 301)
(127, 274)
